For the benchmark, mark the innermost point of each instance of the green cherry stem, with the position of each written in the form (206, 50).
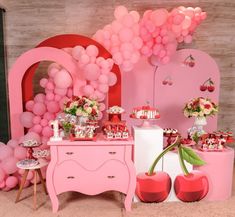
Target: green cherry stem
(181, 159)
(176, 143)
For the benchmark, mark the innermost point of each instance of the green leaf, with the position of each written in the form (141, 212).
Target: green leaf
(191, 157)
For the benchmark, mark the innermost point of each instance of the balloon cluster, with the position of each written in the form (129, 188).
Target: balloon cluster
(122, 38)
(156, 35)
(95, 77)
(10, 154)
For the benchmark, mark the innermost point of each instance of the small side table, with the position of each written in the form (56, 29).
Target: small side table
(37, 170)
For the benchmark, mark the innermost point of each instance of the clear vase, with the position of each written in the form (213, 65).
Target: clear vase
(199, 123)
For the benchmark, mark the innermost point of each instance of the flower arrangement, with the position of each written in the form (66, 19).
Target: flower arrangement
(82, 106)
(200, 107)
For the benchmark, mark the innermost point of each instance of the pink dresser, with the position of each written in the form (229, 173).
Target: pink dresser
(91, 167)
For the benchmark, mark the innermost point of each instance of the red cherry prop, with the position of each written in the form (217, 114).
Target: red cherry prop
(211, 88)
(203, 87)
(170, 83)
(191, 187)
(164, 82)
(153, 188)
(191, 64)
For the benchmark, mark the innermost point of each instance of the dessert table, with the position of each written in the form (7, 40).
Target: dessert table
(91, 167)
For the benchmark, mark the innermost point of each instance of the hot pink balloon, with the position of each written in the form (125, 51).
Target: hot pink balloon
(5, 152)
(62, 79)
(36, 120)
(26, 119)
(44, 122)
(43, 82)
(39, 108)
(20, 153)
(47, 131)
(159, 16)
(120, 11)
(92, 51)
(57, 97)
(53, 107)
(29, 105)
(13, 143)
(9, 165)
(50, 86)
(112, 79)
(37, 128)
(11, 182)
(92, 72)
(50, 96)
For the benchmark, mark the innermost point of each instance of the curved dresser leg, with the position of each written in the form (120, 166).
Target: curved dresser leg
(50, 183)
(132, 184)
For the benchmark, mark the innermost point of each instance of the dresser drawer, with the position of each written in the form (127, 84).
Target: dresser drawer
(70, 176)
(90, 157)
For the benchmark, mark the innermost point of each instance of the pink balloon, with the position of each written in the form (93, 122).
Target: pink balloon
(53, 107)
(26, 119)
(127, 66)
(159, 16)
(44, 141)
(104, 64)
(11, 182)
(12, 143)
(103, 79)
(112, 79)
(154, 60)
(2, 184)
(9, 165)
(36, 120)
(94, 84)
(99, 59)
(47, 131)
(126, 54)
(88, 90)
(126, 35)
(84, 59)
(44, 122)
(20, 153)
(188, 39)
(50, 86)
(102, 106)
(43, 82)
(100, 115)
(58, 97)
(189, 12)
(120, 11)
(137, 42)
(135, 16)
(60, 91)
(176, 28)
(104, 88)
(92, 51)
(37, 128)
(62, 79)
(145, 50)
(52, 72)
(100, 96)
(116, 26)
(165, 59)
(135, 57)
(50, 96)
(128, 20)
(77, 51)
(29, 105)
(62, 101)
(70, 92)
(117, 57)
(186, 23)
(92, 72)
(2, 175)
(178, 19)
(5, 152)
(203, 15)
(39, 108)
(54, 65)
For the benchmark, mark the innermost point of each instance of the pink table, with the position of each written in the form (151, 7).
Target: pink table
(219, 169)
(91, 167)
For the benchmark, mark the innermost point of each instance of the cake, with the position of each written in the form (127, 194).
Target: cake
(115, 110)
(145, 112)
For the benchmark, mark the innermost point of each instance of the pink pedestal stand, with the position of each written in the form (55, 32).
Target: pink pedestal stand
(219, 169)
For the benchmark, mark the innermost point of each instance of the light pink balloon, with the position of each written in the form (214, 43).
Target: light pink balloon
(88, 90)
(43, 82)
(104, 88)
(54, 65)
(165, 60)
(94, 84)
(116, 26)
(84, 59)
(145, 50)
(189, 12)
(128, 20)
(178, 19)
(39, 108)
(92, 72)
(9, 165)
(154, 60)
(104, 64)
(20, 153)
(60, 91)
(29, 105)
(63, 79)
(126, 54)
(50, 86)
(102, 106)
(117, 57)
(135, 57)
(77, 52)
(186, 23)
(135, 16)
(13, 143)
(112, 79)
(120, 11)
(2, 175)
(36, 120)
(11, 182)
(26, 119)
(188, 39)
(150, 26)
(37, 128)
(99, 59)
(5, 152)
(127, 66)
(47, 131)
(103, 79)
(92, 51)
(126, 46)
(137, 42)
(53, 107)
(52, 72)
(159, 16)
(44, 122)
(126, 35)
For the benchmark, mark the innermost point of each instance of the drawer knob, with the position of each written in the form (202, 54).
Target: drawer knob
(70, 177)
(112, 152)
(69, 153)
(111, 177)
